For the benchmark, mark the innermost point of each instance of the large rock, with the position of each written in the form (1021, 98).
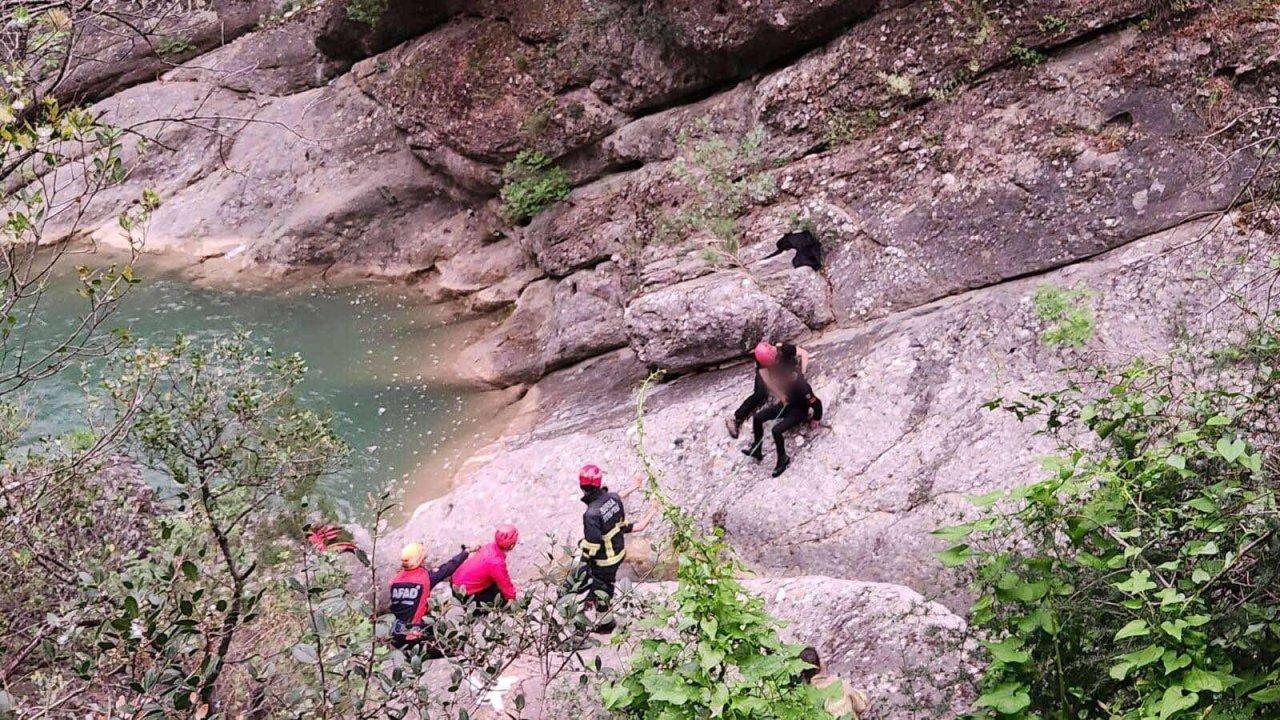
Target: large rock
(554, 324)
(113, 52)
(721, 316)
(279, 59)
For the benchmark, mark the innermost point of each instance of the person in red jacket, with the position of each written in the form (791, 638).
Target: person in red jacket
(483, 577)
(410, 596)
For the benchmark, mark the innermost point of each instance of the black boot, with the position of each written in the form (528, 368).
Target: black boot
(783, 464)
(755, 452)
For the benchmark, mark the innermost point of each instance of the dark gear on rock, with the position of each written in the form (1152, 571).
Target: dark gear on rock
(808, 249)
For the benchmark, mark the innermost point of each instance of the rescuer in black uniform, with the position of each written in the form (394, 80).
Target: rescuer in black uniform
(603, 547)
(771, 358)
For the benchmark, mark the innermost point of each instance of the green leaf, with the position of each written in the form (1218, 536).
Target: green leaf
(666, 689)
(1135, 628)
(615, 697)
(1197, 680)
(954, 556)
(1175, 701)
(1139, 581)
(1176, 461)
(1007, 699)
(1230, 450)
(1174, 661)
(1267, 695)
(1008, 651)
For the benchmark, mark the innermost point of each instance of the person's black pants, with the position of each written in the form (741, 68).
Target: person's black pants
(759, 395)
(482, 602)
(787, 416)
(596, 582)
(426, 643)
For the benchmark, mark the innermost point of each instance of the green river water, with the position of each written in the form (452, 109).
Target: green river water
(377, 359)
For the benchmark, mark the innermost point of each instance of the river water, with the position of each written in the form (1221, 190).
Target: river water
(379, 360)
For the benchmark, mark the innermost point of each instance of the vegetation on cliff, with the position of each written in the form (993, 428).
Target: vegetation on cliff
(1141, 578)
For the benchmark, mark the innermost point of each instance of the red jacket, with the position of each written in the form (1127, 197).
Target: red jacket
(411, 589)
(486, 567)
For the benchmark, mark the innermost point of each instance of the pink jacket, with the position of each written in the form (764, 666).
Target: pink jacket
(487, 566)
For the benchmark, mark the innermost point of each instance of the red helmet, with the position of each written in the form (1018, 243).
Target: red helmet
(766, 353)
(590, 476)
(506, 536)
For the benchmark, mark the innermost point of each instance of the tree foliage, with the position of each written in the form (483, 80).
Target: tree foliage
(1141, 579)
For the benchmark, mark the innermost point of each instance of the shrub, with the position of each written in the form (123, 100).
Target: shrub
(1141, 579)
(1025, 56)
(722, 176)
(368, 12)
(531, 184)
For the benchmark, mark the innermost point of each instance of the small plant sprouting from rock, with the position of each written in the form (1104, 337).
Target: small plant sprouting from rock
(899, 85)
(368, 12)
(1025, 56)
(1053, 25)
(1067, 314)
(722, 175)
(173, 45)
(842, 127)
(530, 184)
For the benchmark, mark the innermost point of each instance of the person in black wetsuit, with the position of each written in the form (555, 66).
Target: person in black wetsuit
(770, 357)
(798, 405)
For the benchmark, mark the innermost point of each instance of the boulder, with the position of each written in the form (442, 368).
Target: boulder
(554, 324)
(721, 316)
(112, 55)
(279, 59)
(911, 657)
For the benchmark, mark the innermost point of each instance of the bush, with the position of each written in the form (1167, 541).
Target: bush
(530, 184)
(1141, 579)
(722, 178)
(368, 12)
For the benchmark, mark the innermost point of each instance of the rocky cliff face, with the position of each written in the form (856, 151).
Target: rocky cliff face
(950, 156)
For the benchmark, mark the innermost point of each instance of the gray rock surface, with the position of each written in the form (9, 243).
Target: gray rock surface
(907, 439)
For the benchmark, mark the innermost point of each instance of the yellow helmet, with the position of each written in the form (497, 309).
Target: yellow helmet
(412, 555)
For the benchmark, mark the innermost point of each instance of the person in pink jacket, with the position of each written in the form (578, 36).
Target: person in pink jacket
(483, 577)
